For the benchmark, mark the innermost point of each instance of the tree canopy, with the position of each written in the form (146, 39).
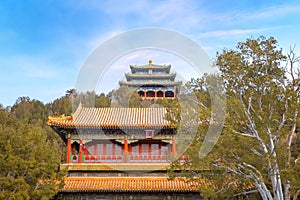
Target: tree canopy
(256, 151)
(29, 154)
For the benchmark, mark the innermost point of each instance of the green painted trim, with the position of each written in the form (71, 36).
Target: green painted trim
(113, 167)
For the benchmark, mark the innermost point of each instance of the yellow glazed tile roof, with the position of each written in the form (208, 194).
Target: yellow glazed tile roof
(113, 118)
(128, 184)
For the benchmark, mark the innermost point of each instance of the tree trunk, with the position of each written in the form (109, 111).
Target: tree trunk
(296, 195)
(287, 185)
(287, 190)
(263, 191)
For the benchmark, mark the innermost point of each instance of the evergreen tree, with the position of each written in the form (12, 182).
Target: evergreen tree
(29, 160)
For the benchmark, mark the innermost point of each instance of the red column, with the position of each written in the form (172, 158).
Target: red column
(104, 149)
(150, 152)
(113, 149)
(140, 149)
(174, 147)
(80, 151)
(164, 94)
(69, 150)
(155, 94)
(95, 149)
(126, 150)
(145, 94)
(159, 149)
(95, 153)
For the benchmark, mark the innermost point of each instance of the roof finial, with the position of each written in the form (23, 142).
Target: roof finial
(150, 62)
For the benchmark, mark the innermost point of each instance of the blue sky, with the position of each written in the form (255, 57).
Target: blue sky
(45, 43)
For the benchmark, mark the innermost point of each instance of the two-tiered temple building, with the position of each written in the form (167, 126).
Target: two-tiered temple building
(123, 153)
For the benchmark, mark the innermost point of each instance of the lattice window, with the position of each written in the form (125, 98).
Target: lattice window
(91, 149)
(164, 150)
(118, 149)
(135, 150)
(155, 149)
(109, 148)
(100, 148)
(145, 148)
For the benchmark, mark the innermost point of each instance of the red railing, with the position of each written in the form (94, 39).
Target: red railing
(104, 158)
(149, 158)
(121, 158)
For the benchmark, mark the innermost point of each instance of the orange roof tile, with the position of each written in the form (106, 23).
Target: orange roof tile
(128, 184)
(113, 118)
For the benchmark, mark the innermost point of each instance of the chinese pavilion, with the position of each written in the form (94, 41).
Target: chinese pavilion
(152, 81)
(123, 153)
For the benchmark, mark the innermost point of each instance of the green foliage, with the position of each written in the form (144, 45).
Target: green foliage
(29, 159)
(253, 151)
(125, 97)
(68, 104)
(30, 152)
(30, 111)
(262, 105)
(102, 101)
(62, 105)
(173, 109)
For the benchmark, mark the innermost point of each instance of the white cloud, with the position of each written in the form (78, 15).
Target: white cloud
(97, 40)
(33, 66)
(170, 14)
(253, 18)
(231, 32)
(273, 12)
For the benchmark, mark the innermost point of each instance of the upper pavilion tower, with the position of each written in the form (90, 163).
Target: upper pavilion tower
(152, 81)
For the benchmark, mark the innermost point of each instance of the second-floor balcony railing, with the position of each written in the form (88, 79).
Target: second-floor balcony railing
(122, 158)
(149, 158)
(103, 158)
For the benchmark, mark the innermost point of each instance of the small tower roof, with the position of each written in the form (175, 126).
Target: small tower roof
(130, 76)
(150, 65)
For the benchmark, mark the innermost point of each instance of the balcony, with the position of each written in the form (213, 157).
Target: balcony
(141, 158)
(149, 158)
